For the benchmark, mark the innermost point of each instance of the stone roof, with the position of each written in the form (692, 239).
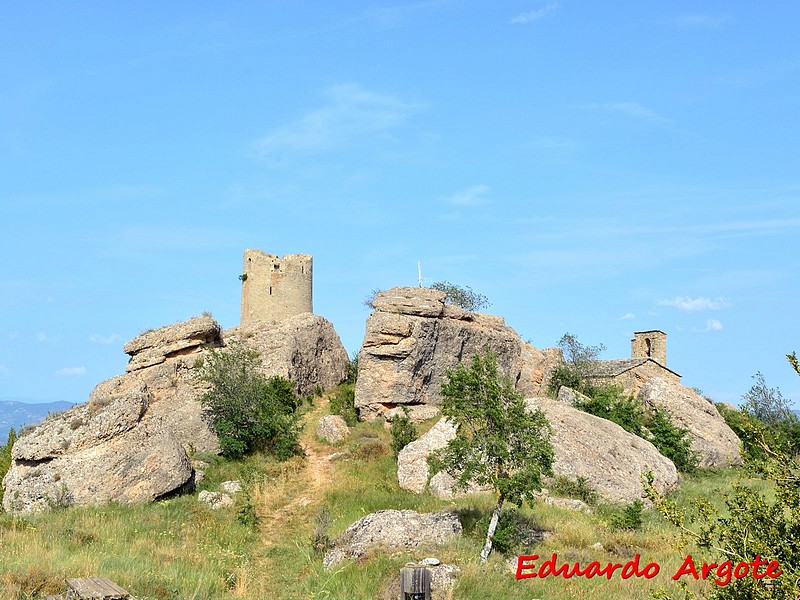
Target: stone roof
(615, 367)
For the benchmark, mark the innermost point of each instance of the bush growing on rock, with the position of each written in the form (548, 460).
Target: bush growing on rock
(462, 296)
(247, 410)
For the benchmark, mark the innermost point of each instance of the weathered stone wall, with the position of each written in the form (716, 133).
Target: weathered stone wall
(650, 344)
(634, 379)
(276, 288)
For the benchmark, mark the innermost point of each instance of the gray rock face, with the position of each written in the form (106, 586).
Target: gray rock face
(413, 337)
(412, 462)
(611, 459)
(129, 442)
(393, 530)
(333, 429)
(215, 500)
(305, 349)
(417, 413)
(711, 437)
(95, 455)
(156, 346)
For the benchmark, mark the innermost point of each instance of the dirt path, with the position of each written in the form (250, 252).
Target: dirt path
(304, 488)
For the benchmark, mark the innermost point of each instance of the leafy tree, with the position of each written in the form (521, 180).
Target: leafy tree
(764, 403)
(578, 359)
(462, 296)
(499, 441)
(247, 410)
(577, 354)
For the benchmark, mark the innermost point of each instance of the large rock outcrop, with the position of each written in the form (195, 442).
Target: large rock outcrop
(716, 443)
(129, 442)
(96, 453)
(611, 459)
(305, 349)
(393, 530)
(413, 337)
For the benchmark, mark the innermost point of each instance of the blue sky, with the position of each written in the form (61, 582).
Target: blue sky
(593, 168)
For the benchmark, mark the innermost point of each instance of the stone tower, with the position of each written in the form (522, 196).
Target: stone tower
(650, 344)
(275, 288)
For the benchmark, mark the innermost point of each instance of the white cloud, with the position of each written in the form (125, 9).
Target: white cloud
(688, 304)
(556, 143)
(534, 15)
(634, 110)
(352, 113)
(96, 338)
(472, 196)
(71, 371)
(711, 325)
(627, 317)
(700, 21)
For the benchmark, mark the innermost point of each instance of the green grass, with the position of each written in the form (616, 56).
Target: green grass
(180, 549)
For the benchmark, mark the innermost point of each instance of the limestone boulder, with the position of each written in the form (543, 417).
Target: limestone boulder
(413, 472)
(413, 337)
(611, 459)
(333, 429)
(305, 349)
(417, 413)
(393, 530)
(715, 442)
(140, 463)
(158, 345)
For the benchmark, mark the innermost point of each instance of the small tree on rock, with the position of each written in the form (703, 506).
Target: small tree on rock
(499, 443)
(462, 296)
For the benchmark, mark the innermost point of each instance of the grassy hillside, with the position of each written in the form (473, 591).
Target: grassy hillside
(265, 546)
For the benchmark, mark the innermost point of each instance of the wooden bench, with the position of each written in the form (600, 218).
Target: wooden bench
(94, 588)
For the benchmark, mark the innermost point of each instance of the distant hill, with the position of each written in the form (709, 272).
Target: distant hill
(17, 414)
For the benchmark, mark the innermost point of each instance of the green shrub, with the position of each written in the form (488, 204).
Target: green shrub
(247, 410)
(611, 403)
(515, 531)
(578, 488)
(565, 375)
(343, 403)
(629, 517)
(462, 296)
(403, 432)
(672, 441)
(5, 459)
(320, 539)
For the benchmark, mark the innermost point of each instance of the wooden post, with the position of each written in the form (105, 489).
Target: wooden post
(415, 583)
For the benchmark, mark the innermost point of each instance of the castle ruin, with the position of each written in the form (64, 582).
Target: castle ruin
(275, 288)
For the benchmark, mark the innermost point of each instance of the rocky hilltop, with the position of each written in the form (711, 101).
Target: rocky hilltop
(413, 337)
(129, 442)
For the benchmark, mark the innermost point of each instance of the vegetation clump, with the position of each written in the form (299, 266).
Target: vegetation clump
(248, 411)
(5, 459)
(403, 432)
(499, 442)
(462, 296)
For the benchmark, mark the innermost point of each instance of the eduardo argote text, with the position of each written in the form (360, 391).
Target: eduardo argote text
(721, 574)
